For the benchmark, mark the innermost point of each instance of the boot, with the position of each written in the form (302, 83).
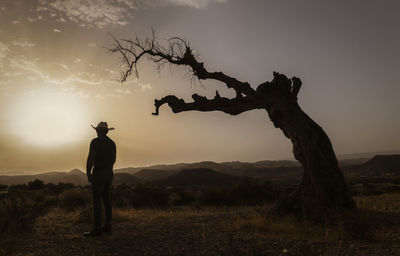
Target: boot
(93, 232)
(106, 228)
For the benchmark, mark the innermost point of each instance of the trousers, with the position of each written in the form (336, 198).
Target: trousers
(101, 186)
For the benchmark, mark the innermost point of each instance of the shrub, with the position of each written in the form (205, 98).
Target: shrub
(121, 196)
(36, 184)
(74, 199)
(18, 211)
(359, 224)
(59, 188)
(213, 197)
(252, 194)
(149, 197)
(20, 187)
(180, 196)
(243, 194)
(142, 196)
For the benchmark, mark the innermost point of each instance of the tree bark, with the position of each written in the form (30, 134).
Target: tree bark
(323, 190)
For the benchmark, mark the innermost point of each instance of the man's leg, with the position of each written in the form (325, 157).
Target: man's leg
(107, 203)
(97, 188)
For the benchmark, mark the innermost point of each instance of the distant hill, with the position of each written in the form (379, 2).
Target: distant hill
(199, 177)
(237, 168)
(153, 174)
(75, 176)
(367, 155)
(272, 170)
(176, 167)
(382, 164)
(126, 178)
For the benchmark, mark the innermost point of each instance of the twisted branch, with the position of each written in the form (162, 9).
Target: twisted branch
(177, 51)
(233, 106)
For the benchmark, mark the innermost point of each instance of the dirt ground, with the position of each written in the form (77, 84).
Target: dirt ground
(207, 231)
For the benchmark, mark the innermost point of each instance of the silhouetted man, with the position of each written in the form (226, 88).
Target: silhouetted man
(102, 154)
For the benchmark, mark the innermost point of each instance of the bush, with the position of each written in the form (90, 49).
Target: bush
(36, 184)
(181, 196)
(18, 211)
(20, 187)
(149, 197)
(74, 199)
(3, 187)
(213, 197)
(59, 188)
(142, 196)
(359, 224)
(121, 196)
(243, 194)
(252, 194)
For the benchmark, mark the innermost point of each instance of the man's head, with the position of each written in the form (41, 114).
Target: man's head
(101, 132)
(102, 129)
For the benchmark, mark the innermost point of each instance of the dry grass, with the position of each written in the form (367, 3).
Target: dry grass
(148, 215)
(389, 203)
(224, 231)
(363, 224)
(253, 221)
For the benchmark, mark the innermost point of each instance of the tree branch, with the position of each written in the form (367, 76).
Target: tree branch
(233, 106)
(177, 52)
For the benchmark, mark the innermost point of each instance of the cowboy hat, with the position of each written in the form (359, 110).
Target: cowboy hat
(102, 126)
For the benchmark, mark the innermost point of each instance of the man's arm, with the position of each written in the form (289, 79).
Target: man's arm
(90, 162)
(114, 156)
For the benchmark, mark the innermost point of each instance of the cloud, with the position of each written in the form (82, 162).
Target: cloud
(113, 95)
(22, 63)
(5, 90)
(99, 96)
(72, 79)
(92, 45)
(56, 30)
(100, 13)
(64, 66)
(103, 13)
(24, 43)
(144, 87)
(4, 50)
(122, 91)
(198, 4)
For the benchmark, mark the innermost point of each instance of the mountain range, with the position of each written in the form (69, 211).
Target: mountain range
(211, 173)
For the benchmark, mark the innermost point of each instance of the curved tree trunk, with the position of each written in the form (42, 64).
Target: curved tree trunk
(323, 190)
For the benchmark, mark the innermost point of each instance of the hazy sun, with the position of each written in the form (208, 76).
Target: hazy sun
(47, 118)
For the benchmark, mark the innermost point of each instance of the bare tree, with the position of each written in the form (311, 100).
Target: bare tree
(323, 189)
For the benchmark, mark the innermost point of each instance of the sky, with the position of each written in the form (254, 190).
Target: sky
(57, 78)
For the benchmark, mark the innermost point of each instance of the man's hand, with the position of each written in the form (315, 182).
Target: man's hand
(89, 177)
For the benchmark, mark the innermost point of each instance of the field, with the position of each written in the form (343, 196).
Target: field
(45, 221)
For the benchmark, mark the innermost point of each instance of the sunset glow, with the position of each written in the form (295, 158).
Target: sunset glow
(46, 119)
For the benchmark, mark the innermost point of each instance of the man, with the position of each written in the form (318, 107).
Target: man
(102, 154)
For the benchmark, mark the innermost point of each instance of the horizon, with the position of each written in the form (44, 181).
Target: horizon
(352, 156)
(57, 78)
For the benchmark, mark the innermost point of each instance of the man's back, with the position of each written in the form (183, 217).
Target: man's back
(104, 154)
